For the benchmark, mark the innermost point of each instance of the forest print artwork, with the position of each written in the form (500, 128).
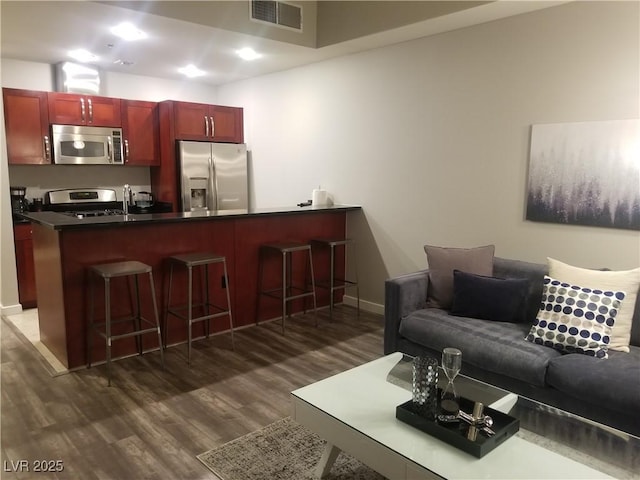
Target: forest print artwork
(586, 174)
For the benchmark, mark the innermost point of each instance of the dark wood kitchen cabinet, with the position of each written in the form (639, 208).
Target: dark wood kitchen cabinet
(90, 110)
(216, 123)
(140, 131)
(25, 265)
(26, 119)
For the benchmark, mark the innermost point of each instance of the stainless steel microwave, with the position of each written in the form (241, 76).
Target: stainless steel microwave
(78, 145)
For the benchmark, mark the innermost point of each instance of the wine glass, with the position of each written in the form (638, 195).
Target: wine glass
(451, 364)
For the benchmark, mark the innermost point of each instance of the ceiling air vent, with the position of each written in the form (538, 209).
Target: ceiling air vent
(279, 14)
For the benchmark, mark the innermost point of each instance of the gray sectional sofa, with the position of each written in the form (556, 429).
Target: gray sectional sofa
(604, 390)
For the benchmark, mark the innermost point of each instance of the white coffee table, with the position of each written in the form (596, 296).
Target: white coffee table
(354, 411)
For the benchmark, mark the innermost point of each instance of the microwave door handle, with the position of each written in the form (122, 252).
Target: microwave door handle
(109, 150)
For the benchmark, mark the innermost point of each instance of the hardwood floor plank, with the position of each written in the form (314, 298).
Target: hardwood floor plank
(153, 422)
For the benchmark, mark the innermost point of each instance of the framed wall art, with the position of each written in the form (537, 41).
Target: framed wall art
(585, 173)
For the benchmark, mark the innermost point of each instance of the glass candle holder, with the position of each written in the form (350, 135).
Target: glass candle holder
(425, 386)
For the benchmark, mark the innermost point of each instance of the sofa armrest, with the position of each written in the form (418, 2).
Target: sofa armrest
(402, 295)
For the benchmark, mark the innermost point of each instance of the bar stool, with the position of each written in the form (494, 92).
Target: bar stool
(189, 261)
(287, 291)
(108, 271)
(336, 283)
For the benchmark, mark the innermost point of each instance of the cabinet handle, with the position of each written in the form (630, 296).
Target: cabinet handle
(206, 126)
(47, 148)
(126, 151)
(213, 127)
(82, 109)
(90, 110)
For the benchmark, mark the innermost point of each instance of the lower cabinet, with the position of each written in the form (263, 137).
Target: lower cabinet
(25, 265)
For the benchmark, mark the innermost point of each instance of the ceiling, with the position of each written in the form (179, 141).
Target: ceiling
(183, 32)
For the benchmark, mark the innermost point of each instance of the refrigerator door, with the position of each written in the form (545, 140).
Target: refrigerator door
(196, 181)
(230, 176)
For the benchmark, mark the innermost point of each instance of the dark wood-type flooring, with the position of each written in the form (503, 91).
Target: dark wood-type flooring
(152, 423)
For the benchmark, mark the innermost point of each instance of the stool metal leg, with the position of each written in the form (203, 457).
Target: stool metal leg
(136, 318)
(226, 280)
(260, 274)
(355, 266)
(284, 288)
(332, 270)
(90, 333)
(107, 314)
(166, 312)
(313, 287)
(189, 311)
(206, 297)
(157, 317)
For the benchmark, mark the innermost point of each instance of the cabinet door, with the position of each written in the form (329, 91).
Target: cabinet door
(140, 130)
(74, 109)
(25, 265)
(192, 121)
(26, 118)
(227, 124)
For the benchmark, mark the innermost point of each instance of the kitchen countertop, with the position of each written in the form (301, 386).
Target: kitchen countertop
(59, 221)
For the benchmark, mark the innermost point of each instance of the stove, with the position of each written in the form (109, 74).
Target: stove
(83, 203)
(94, 213)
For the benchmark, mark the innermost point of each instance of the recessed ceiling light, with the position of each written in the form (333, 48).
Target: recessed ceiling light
(248, 54)
(128, 31)
(82, 55)
(191, 71)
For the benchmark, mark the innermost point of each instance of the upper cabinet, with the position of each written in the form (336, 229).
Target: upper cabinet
(74, 109)
(26, 118)
(197, 121)
(140, 131)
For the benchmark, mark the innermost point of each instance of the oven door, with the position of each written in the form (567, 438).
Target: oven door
(87, 145)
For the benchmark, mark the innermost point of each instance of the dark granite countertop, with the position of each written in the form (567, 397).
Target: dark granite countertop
(58, 221)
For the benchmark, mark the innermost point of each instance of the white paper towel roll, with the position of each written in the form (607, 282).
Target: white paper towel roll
(319, 197)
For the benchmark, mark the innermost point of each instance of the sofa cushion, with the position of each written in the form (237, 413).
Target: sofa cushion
(442, 261)
(535, 272)
(627, 281)
(489, 298)
(614, 384)
(498, 347)
(575, 319)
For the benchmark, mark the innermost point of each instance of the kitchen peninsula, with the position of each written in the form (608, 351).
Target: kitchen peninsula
(64, 246)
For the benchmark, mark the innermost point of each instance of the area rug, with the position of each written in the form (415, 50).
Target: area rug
(284, 450)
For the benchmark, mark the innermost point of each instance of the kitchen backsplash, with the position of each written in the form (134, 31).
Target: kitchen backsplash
(41, 178)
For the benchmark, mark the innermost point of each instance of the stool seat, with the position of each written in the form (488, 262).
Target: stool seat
(286, 247)
(209, 309)
(332, 242)
(107, 271)
(288, 291)
(120, 269)
(197, 258)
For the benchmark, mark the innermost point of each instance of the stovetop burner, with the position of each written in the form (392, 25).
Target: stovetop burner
(94, 213)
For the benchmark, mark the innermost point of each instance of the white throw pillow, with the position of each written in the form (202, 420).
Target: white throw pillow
(627, 281)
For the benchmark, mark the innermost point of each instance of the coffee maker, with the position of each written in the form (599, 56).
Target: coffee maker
(19, 203)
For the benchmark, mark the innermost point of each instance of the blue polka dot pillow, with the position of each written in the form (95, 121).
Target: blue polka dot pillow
(575, 319)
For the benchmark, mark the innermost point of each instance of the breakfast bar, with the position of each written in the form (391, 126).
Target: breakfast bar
(65, 246)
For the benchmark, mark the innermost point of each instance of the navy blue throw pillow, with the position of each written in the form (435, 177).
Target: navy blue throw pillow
(489, 298)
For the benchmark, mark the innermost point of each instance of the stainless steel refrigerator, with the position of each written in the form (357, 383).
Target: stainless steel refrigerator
(213, 176)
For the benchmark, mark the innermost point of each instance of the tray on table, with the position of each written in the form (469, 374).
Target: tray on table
(455, 434)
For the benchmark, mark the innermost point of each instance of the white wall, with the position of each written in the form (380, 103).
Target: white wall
(431, 136)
